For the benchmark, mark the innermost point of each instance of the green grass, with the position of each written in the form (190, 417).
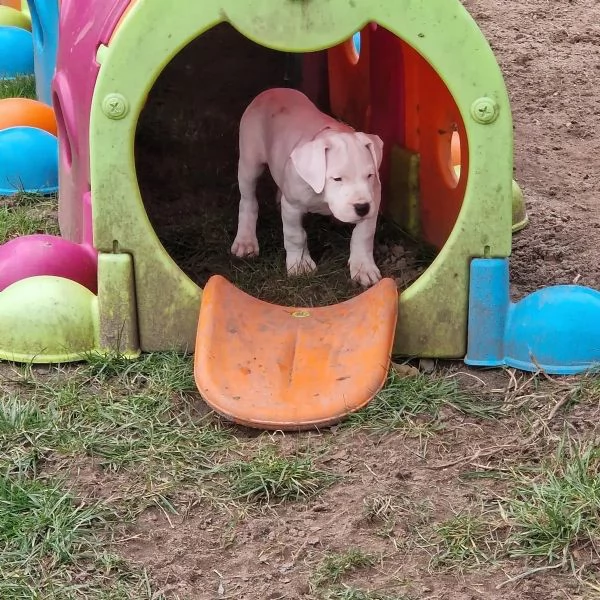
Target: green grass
(20, 87)
(404, 399)
(41, 521)
(335, 565)
(587, 388)
(557, 510)
(25, 214)
(170, 372)
(462, 542)
(345, 592)
(551, 514)
(135, 419)
(270, 477)
(138, 419)
(52, 547)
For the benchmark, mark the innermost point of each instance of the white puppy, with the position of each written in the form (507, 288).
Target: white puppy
(319, 165)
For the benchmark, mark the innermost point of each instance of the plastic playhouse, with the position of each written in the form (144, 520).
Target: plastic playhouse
(422, 77)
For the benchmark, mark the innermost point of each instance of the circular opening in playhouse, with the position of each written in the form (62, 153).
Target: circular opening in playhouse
(186, 163)
(450, 157)
(354, 45)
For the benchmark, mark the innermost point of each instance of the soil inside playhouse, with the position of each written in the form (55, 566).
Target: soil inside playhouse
(186, 156)
(549, 52)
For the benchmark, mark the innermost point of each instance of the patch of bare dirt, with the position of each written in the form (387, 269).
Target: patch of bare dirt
(208, 554)
(549, 53)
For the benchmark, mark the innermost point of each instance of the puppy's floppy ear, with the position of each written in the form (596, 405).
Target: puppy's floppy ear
(375, 146)
(310, 162)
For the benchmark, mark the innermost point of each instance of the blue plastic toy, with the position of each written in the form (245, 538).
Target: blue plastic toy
(16, 52)
(28, 161)
(44, 24)
(555, 329)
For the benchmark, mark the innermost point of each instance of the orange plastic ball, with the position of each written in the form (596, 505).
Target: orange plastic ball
(23, 112)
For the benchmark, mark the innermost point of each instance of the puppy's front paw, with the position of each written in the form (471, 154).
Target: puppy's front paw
(300, 264)
(245, 247)
(364, 271)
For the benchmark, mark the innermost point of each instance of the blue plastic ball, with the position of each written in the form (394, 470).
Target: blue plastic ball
(28, 161)
(16, 52)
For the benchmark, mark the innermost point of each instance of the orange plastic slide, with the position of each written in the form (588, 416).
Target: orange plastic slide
(281, 368)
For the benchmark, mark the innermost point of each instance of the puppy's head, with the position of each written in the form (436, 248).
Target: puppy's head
(344, 168)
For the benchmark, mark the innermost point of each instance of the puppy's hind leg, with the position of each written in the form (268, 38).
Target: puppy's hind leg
(246, 242)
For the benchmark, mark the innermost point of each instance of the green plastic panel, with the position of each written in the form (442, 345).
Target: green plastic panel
(116, 305)
(433, 311)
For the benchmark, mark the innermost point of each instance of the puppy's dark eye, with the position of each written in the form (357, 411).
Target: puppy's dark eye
(337, 178)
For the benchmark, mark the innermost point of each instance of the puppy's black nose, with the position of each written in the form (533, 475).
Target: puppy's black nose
(362, 209)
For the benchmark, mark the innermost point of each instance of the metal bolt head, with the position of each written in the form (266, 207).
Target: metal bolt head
(484, 110)
(115, 106)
